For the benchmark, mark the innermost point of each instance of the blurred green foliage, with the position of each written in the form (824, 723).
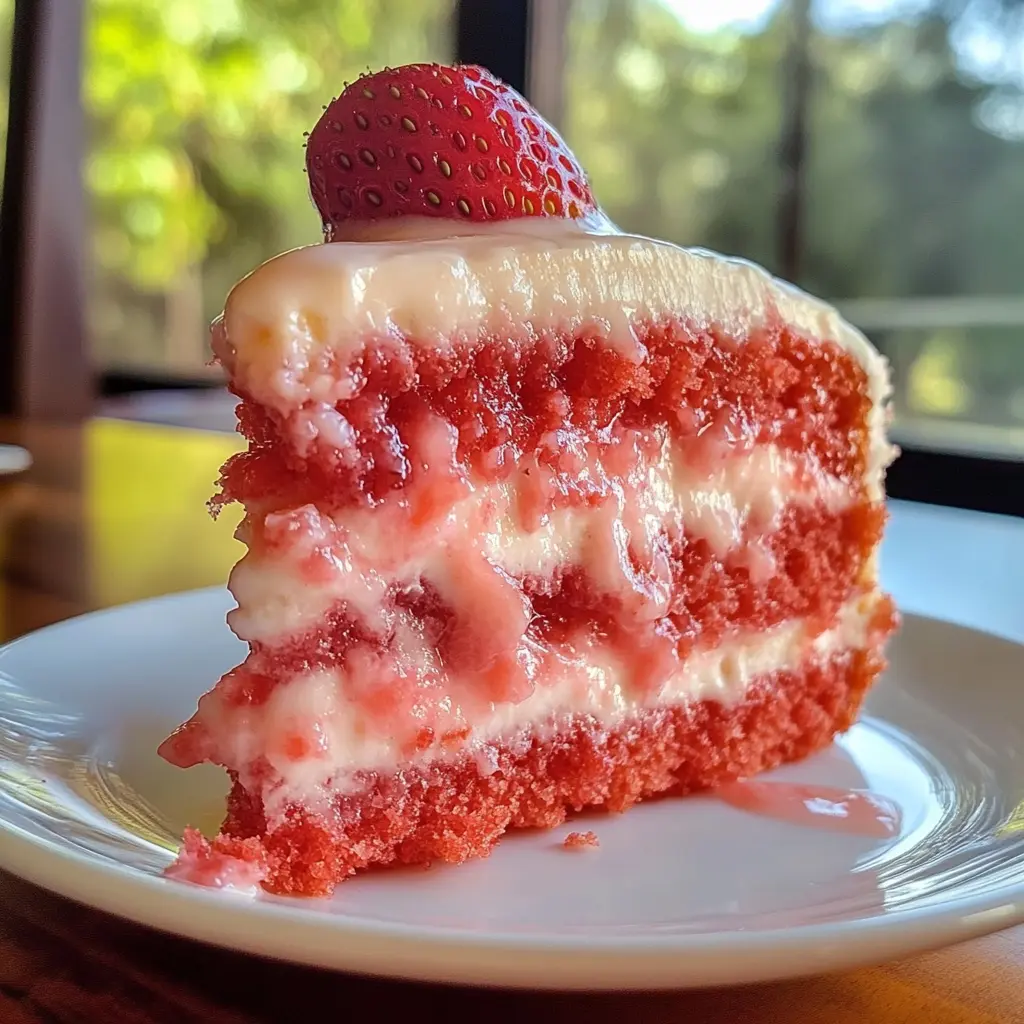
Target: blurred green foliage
(197, 111)
(908, 192)
(914, 180)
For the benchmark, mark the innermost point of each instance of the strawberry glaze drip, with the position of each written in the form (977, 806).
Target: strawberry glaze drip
(855, 811)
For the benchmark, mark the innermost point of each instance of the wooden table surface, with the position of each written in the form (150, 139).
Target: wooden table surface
(112, 512)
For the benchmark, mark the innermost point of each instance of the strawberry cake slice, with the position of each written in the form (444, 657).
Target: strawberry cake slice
(540, 516)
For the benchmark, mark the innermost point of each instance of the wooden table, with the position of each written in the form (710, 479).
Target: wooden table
(113, 512)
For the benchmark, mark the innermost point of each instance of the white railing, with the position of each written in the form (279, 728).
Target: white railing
(933, 313)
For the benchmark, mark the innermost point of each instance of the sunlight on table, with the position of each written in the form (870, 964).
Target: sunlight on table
(148, 529)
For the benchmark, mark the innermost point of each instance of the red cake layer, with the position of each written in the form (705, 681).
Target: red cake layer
(573, 421)
(449, 811)
(818, 557)
(506, 397)
(566, 416)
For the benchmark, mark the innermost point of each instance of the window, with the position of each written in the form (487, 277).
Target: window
(194, 163)
(870, 150)
(676, 116)
(915, 195)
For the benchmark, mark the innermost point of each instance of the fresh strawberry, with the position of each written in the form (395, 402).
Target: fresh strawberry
(438, 141)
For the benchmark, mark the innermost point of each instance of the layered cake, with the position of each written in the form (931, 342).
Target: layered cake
(540, 516)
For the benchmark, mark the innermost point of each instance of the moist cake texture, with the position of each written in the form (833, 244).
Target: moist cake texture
(540, 516)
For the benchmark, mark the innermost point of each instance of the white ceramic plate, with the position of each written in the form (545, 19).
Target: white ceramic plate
(680, 893)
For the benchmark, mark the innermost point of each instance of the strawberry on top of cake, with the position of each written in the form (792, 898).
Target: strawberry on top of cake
(540, 515)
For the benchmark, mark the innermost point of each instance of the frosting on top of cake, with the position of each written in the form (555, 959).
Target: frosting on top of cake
(434, 283)
(289, 326)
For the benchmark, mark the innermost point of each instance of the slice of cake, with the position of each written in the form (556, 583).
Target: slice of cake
(540, 516)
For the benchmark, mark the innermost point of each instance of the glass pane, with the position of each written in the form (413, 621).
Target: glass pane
(195, 163)
(912, 190)
(674, 109)
(915, 192)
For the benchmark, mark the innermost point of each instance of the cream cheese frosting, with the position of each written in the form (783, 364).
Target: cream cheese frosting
(586, 681)
(289, 326)
(276, 601)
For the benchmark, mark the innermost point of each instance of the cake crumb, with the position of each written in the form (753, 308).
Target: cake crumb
(577, 840)
(237, 865)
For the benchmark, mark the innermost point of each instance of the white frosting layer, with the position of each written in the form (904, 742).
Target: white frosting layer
(288, 325)
(585, 681)
(369, 550)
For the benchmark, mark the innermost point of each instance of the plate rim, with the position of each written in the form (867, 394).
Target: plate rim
(520, 959)
(526, 960)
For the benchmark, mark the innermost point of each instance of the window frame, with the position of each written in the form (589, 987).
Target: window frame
(44, 360)
(522, 41)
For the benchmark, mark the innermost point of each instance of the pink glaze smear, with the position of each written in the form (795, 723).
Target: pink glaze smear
(841, 810)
